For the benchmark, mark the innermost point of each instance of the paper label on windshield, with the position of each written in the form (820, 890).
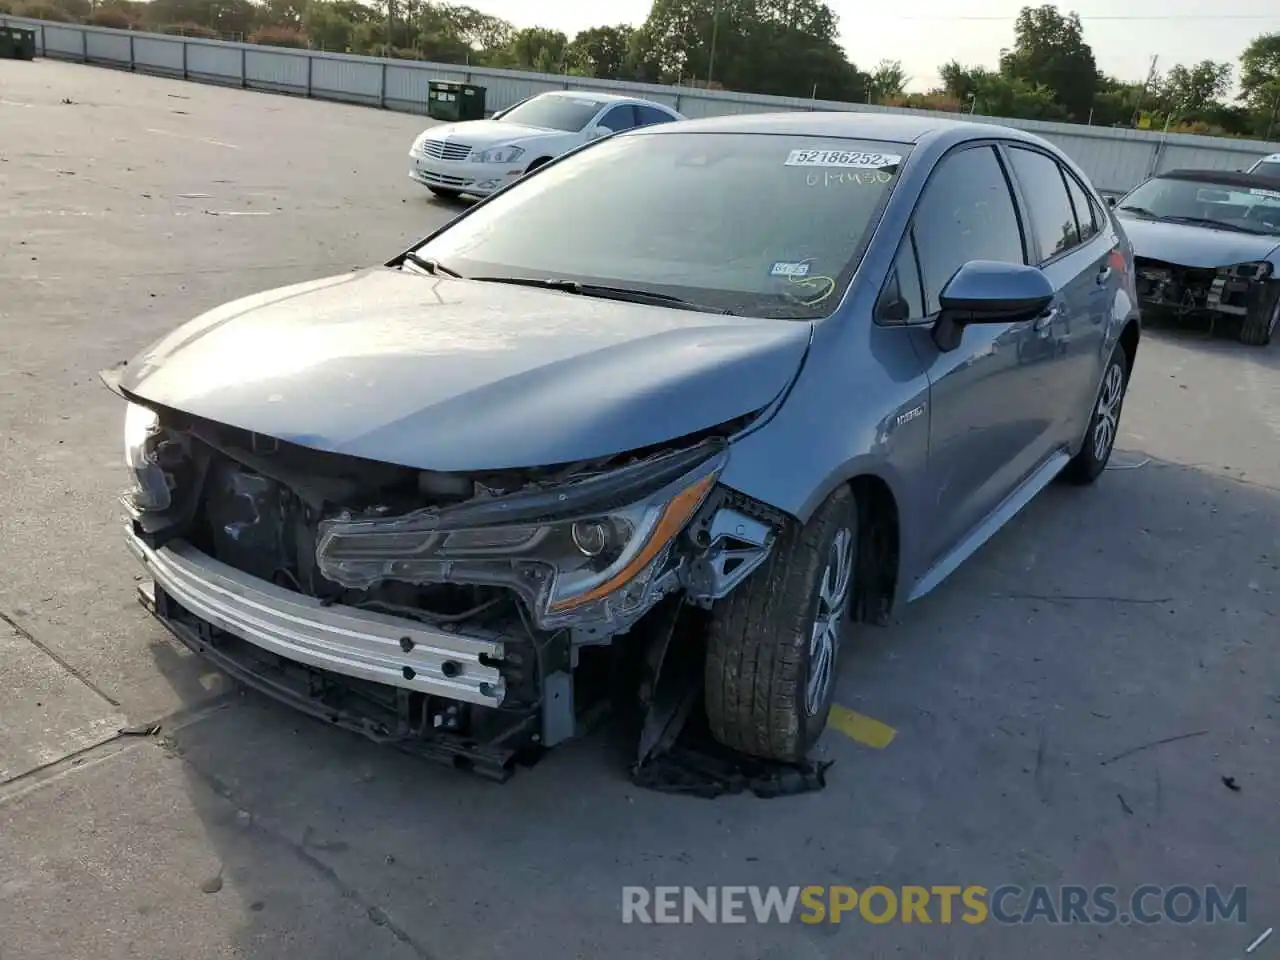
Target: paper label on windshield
(846, 159)
(789, 268)
(1260, 192)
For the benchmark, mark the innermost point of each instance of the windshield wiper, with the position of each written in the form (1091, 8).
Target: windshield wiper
(1207, 222)
(1141, 211)
(432, 267)
(625, 294)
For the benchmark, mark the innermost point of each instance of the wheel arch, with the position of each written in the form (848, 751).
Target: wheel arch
(1128, 340)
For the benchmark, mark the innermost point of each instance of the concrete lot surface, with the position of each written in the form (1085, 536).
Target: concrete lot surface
(1102, 621)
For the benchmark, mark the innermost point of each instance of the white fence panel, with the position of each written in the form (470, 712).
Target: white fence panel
(159, 55)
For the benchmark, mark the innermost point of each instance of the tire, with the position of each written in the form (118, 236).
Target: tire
(541, 161)
(444, 194)
(1104, 423)
(768, 692)
(1260, 323)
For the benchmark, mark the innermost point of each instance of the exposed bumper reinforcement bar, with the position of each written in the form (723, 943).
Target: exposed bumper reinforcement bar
(338, 639)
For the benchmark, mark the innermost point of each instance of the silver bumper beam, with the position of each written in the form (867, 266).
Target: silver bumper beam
(343, 640)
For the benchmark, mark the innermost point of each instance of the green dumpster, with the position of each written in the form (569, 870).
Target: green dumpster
(455, 101)
(17, 43)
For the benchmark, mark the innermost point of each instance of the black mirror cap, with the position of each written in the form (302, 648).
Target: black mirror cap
(1112, 201)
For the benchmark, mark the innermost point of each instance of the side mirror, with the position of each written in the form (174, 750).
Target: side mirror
(989, 291)
(1112, 201)
(598, 132)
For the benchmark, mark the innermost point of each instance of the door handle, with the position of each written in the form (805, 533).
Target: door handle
(1104, 275)
(1044, 320)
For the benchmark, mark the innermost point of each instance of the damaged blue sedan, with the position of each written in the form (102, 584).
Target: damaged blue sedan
(694, 398)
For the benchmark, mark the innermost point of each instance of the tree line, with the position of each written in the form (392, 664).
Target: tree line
(780, 47)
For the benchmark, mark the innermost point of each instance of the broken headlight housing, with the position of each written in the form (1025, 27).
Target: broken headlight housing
(150, 488)
(585, 550)
(1259, 270)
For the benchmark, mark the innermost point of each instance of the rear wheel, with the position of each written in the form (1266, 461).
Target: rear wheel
(774, 643)
(1088, 464)
(1260, 323)
(444, 194)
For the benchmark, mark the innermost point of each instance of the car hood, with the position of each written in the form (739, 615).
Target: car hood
(462, 375)
(1187, 245)
(489, 133)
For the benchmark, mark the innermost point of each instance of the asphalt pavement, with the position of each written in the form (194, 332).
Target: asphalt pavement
(1093, 699)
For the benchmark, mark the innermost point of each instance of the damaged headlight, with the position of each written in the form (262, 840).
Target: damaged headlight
(150, 490)
(1259, 270)
(586, 550)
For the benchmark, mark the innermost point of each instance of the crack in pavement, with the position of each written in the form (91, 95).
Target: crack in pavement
(375, 914)
(1077, 598)
(57, 658)
(94, 753)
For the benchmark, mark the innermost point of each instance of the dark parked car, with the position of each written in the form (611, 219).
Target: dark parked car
(759, 376)
(1206, 243)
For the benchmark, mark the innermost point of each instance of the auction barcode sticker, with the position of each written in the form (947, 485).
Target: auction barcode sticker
(853, 159)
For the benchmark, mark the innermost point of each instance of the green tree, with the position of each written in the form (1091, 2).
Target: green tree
(1191, 91)
(540, 49)
(785, 47)
(602, 52)
(1049, 51)
(888, 80)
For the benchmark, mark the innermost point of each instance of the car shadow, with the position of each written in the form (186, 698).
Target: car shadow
(1222, 340)
(1098, 619)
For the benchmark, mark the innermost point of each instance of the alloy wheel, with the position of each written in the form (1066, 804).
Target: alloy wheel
(1107, 419)
(824, 641)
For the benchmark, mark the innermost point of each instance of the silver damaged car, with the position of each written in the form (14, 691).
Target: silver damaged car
(726, 386)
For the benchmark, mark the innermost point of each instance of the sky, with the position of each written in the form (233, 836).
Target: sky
(923, 34)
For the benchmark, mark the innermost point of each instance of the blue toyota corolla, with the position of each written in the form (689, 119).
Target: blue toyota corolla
(724, 385)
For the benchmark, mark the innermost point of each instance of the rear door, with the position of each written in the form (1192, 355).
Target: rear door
(1062, 354)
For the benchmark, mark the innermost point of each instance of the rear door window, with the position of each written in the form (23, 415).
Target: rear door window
(1053, 220)
(1086, 211)
(621, 117)
(651, 115)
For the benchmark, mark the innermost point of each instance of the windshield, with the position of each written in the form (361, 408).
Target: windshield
(759, 225)
(553, 112)
(1254, 209)
(1266, 168)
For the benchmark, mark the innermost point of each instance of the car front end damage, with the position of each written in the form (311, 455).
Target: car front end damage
(454, 615)
(1238, 290)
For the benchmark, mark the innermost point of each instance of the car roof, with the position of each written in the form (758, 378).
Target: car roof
(1226, 178)
(595, 95)
(894, 127)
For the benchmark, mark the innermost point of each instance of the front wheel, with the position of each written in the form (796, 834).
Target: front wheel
(1088, 464)
(1260, 323)
(774, 643)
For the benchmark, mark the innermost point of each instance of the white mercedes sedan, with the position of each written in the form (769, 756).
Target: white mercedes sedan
(477, 157)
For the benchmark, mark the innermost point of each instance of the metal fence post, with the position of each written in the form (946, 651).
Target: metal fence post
(310, 60)
(244, 67)
(382, 86)
(183, 41)
(133, 61)
(84, 45)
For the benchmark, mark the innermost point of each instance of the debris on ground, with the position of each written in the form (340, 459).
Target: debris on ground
(1230, 784)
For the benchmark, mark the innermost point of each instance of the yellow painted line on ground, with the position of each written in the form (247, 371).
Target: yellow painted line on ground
(866, 730)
